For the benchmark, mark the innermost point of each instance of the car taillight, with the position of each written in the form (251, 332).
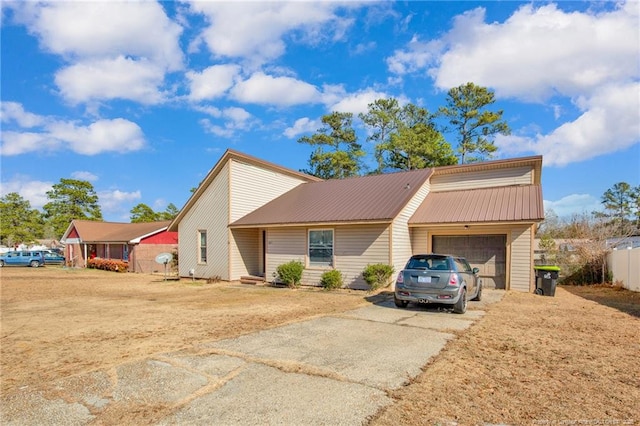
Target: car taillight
(454, 280)
(400, 279)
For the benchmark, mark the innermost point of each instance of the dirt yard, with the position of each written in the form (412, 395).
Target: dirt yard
(570, 359)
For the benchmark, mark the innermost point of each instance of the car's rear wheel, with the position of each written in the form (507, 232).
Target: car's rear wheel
(479, 294)
(34, 264)
(1, 263)
(400, 303)
(461, 305)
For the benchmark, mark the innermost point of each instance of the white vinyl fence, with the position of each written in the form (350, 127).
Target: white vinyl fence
(625, 266)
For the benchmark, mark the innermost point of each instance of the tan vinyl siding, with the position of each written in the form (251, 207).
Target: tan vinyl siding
(245, 253)
(482, 179)
(521, 258)
(419, 240)
(284, 245)
(401, 248)
(209, 214)
(357, 246)
(354, 248)
(252, 187)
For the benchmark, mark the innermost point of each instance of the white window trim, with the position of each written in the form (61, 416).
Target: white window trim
(200, 232)
(311, 266)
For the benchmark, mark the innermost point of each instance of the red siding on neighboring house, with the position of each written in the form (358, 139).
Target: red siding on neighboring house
(164, 237)
(73, 233)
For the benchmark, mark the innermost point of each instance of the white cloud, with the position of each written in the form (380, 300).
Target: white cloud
(212, 82)
(237, 115)
(280, 91)
(255, 30)
(33, 191)
(574, 204)
(216, 129)
(16, 143)
(82, 175)
(302, 125)
(587, 59)
(609, 123)
(416, 57)
(357, 102)
(115, 50)
(234, 119)
(104, 30)
(117, 135)
(114, 201)
(105, 135)
(104, 79)
(13, 111)
(539, 52)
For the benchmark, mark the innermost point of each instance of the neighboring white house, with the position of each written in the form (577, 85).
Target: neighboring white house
(248, 216)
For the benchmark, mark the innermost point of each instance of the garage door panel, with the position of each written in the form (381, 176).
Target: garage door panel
(488, 253)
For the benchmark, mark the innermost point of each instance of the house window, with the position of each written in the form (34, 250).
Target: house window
(321, 247)
(202, 246)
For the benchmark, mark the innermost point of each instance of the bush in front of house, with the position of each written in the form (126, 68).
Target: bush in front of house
(290, 273)
(377, 275)
(108, 265)
(331, 279)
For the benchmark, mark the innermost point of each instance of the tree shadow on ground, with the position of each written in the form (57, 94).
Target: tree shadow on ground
(612, 296)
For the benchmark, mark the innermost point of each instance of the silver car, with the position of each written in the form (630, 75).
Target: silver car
(438, 278)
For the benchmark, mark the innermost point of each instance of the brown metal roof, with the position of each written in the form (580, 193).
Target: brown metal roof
(114, 232)
(365, 199)
(500, 204)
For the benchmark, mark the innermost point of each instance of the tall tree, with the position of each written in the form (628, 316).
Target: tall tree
(170, 212)
(620, 202)
(414, 143)
(475, 126)
(71, 199)
(143, 213)
(382, 118)
(343, 158)
(19, 223)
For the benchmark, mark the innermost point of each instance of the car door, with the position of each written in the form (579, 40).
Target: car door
(14, 258)
(467, 273)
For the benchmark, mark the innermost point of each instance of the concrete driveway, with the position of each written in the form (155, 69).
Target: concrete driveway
(334, 369)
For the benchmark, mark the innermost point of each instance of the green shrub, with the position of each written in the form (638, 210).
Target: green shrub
(331, 279)
(290, 273)
(377, 275)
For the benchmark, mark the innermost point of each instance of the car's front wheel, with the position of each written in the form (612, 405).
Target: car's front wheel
(461, 305)
(400, 303)
(479, 294)
(34, 264)
(1, 263)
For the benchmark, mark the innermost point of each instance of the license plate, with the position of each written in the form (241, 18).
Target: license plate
(424, 280)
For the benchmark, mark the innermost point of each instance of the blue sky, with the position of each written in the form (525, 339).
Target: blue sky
(142, 99)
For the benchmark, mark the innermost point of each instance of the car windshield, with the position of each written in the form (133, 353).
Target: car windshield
(437, 263)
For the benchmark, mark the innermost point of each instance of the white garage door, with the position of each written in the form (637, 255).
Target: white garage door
(486, 252)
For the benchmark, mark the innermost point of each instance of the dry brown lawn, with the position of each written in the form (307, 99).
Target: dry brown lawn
(570, 359)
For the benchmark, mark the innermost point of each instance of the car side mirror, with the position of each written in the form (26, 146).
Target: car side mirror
(475, 271)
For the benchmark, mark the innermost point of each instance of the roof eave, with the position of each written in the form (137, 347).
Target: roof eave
(470, 224)
(312, 224)
(140, 238)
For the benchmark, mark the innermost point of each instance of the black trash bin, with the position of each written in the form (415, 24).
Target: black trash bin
(546, 279)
